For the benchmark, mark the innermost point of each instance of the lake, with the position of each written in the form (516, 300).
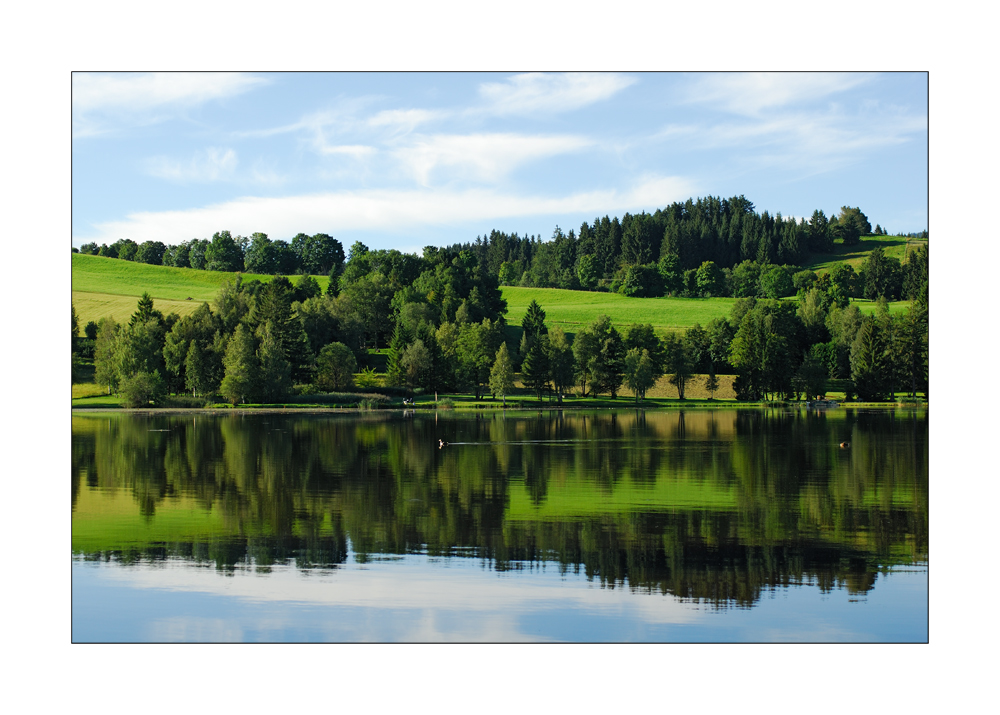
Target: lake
(714, 525)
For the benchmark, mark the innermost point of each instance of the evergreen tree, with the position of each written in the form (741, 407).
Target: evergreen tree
(868, 361)
(241, 366)
(395, 373)
(914, 347)
(275, 380)
(607, 364)
(533, 323)
(535, 368)
(144, 311)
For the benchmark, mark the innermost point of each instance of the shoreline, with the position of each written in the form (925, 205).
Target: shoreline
(481, 408)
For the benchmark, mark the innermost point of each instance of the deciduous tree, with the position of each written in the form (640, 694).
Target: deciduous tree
(335, 367)
(502, 374)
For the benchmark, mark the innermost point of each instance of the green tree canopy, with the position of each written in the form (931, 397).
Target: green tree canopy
(502, 374)
(223, 253)
(335, 367)
(638, 373)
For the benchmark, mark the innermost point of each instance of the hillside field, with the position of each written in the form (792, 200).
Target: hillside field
(571, 310)
(897, 247)
(111, 287)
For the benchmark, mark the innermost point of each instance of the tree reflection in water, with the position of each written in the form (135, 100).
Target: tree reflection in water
(715, 505)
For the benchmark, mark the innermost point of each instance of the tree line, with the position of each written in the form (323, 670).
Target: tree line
(258, 339)
(699, 248)
(442, 317)
(449, 334)
(320, 254)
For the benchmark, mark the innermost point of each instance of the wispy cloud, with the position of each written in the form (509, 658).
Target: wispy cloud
(104, 101)
(406, 120)
(382, 210)
(213, 164)
(357, 151)
(548, 93)
(810, 141)
(750, 93)
(482, 156)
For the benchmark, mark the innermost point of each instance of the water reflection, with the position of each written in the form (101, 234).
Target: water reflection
(715, 506)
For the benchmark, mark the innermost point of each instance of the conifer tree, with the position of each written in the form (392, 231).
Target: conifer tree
(275, 371)
(241, 367)
(868, 361)
(395, 373)
(535, 368)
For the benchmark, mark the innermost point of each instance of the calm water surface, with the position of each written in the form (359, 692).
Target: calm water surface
(713, 525)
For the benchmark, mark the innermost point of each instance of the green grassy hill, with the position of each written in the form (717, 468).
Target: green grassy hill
(573, 309)
(895, 246)
(111, 287)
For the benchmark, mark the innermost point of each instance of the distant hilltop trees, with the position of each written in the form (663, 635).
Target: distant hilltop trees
(319, 254)
(699, 248)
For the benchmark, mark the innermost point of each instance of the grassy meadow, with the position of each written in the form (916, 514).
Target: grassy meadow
(572, 310)
(111, 287)
(897, 247)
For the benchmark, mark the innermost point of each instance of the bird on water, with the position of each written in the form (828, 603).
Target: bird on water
(441, 443)
(845, 445)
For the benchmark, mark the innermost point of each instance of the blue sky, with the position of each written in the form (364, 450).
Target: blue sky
(401, 160)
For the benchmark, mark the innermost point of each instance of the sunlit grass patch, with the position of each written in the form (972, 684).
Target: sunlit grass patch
(573, 310)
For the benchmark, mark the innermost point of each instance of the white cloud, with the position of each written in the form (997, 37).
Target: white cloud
(380, 211)
(482, 156)
(405, 119)
(479, 604)
(104, 101)
(543, 93)
(213, 164)
(142, 91)
(811, 141)
(750, 93)
(357, 151)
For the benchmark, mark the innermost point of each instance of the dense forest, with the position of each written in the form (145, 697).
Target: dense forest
(442, 315)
